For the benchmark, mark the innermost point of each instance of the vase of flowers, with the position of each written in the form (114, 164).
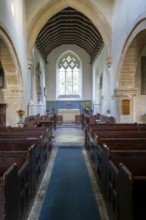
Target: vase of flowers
(20, 112)
(86, 106)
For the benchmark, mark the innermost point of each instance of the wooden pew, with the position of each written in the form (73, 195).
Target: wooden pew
(91, 119)
(125, 185)
(25, 134)
(117, 131)
(36, 168)
(15, 185)
(117, 139)
(44, 140)
(20, 139)
(106, 128)
(30, 121)
(40, 121)
(97, 154)
(112, 126)
(38, 142)
(44, 134)
(27, 130)
(40, 153)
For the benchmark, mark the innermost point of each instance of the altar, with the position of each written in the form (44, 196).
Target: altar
(68, 115)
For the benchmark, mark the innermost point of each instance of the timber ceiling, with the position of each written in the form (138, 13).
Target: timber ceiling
(69, 26)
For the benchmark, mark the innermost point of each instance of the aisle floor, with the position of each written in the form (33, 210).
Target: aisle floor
(66, 136)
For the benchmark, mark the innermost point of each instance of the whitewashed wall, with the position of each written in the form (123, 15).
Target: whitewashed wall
(101, 96)
(36, 106)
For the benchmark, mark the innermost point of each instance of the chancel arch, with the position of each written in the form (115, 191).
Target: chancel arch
(89, 10)
(12, 88)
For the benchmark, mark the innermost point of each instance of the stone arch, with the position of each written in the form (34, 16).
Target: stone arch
(12, 91)
(127, 69)
(130, 54)
(87, 9)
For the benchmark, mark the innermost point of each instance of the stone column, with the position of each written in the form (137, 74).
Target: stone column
(13, 99)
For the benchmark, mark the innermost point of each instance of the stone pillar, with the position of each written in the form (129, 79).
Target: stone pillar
(13, 99)
(125, 94)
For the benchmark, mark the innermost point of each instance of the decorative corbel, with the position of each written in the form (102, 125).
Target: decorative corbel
(30, 64)
(108, 62)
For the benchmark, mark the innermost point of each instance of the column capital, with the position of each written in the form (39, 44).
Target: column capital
(125, 92)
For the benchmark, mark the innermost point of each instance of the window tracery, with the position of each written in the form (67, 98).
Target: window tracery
(69, 76)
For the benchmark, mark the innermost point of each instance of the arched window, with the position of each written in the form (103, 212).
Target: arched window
(68, 77)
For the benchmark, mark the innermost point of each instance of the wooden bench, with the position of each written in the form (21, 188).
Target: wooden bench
(36, 141)
(107, 129)
(90, 129)
(97, 154)
(121, 139)
(15, 184)
(41, 152)
(47, 132)
(38, 156)
(104, 142)
(91, 119)
(44, 134)
(125, 185)
(40, 121)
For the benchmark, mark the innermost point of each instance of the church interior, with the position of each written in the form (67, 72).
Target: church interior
(72, 109)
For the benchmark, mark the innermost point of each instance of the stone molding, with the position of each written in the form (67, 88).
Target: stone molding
(125, 93)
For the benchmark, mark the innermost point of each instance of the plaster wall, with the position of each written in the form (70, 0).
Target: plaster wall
(51, 71)
(101, 90)
(37, 104)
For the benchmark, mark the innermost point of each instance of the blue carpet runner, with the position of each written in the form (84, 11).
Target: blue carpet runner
(69, 195)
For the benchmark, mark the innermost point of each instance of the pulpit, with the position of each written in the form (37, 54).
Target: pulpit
(3, 114)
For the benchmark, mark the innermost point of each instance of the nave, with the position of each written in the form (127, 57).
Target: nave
(69, 181)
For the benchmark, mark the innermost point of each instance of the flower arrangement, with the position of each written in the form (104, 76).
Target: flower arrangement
(20, 112)
(86, 105)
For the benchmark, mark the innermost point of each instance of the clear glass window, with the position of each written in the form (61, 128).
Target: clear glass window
(69, 76)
